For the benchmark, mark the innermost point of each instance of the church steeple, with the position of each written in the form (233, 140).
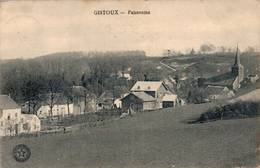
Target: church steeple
(237, 69)
(237, 59)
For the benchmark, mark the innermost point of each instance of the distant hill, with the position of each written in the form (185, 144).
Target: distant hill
(212, 64)
(94, 70)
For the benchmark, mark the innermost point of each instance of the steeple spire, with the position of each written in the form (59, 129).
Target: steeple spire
(237, 59)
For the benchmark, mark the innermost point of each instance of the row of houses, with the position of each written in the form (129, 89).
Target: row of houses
(144, 95)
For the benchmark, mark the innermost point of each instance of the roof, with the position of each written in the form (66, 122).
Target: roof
(106, 95)
(225, 79)
(169, 97)
(29, 117)
(7, 103)
(215, 90)
(143, 96)
(78, 91)
(147, 86)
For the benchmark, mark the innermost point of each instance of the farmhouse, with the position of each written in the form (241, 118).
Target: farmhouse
(148, 95)
(13, 122)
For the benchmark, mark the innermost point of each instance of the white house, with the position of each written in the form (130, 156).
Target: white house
(54, 105)
(12, 121)
(31, 123)
(58, 109)
(10, 115)
(124, 74)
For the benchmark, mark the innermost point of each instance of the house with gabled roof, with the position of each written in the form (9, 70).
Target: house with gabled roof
(12, 121)
(149, 95)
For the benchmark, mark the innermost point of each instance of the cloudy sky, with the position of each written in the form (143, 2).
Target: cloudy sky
(29, 29)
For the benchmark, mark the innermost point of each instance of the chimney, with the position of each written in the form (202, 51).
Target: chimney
(145, 77)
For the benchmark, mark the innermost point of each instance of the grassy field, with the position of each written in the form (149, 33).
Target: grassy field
(159, 139)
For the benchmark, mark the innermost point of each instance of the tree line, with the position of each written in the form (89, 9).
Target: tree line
(25, 79)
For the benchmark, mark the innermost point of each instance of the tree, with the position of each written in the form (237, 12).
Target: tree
(192, 52)
(31, 90)
(250, 49)
(67, 93)
(223, 49)
(206, 48)
(53, 89)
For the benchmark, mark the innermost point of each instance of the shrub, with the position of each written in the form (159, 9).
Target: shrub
(231, 111)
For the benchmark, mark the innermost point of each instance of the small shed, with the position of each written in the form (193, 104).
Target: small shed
(169, 100)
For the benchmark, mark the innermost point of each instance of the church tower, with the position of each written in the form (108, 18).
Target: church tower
(237, 69)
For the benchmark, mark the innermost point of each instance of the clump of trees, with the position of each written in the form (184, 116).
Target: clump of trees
(231, 111)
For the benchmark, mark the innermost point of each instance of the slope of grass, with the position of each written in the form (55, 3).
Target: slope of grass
(159, 139)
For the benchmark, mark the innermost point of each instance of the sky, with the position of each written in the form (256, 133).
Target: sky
(33, 28)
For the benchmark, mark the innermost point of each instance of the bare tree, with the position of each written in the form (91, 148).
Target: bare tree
(54, 86)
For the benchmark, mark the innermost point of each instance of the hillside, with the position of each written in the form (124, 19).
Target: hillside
(211, 64)
(156, 139)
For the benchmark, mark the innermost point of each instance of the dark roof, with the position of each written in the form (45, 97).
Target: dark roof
(214, 90)
(7, 103)
(225, 79)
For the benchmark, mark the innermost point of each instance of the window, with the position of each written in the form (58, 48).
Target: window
(8, 117)
(138, 87)
(15, 114)
(149, 87)
(26, 126)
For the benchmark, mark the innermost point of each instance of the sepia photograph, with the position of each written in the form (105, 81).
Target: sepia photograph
(129, 84)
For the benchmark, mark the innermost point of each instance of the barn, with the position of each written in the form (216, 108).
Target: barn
(138, 101)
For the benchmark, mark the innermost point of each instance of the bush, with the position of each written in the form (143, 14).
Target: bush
(231, 111)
